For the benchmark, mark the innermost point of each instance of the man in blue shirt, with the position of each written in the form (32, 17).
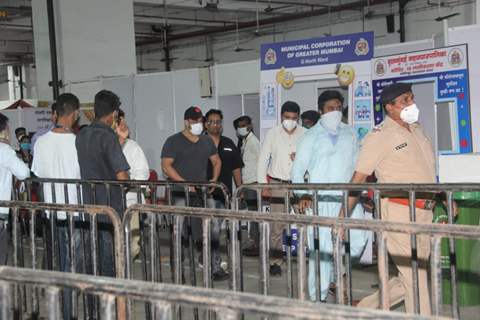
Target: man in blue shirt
(328, 153)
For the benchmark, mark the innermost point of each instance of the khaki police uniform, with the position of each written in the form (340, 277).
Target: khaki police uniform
(398, 155)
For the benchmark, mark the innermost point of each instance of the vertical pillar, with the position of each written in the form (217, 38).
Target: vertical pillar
(477, 4)
(95, 39)
(42, 49)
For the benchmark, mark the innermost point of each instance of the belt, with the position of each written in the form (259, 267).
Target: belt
(279, 180)
(420, 204)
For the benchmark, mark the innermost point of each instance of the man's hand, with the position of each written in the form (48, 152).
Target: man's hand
(455, 207)
(266, 193)
(211, 189)
(122, 129)
(304, 203)
(367, 204)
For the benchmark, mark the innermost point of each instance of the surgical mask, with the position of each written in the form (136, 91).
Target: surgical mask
(410, 114)
(25, 146)
(289, 124)
(242, 132)
(331, 120)
(196, 128)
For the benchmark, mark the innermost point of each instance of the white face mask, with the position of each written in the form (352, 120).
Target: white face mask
(410, 114)
(242, 132)
(196, 128)
(289, 125)
(331, 120)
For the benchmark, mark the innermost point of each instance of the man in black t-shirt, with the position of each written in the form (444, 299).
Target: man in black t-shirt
(227, 150)
(100, 157)
(185, 156)
(231, 169)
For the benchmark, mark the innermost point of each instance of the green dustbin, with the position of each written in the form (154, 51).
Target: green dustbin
(467, 251)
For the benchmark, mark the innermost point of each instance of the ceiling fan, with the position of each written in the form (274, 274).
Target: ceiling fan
(237, 39)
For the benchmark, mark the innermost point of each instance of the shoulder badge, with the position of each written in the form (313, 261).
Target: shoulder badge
(377, 128)
(401, 146)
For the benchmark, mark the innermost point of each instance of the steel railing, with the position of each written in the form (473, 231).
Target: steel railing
(412, 192)
(51, 253)
(434, 231)
(227, 305)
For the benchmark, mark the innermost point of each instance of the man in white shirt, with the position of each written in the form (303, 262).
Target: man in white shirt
(249, 146)
(56, 158)
(139, 170)
(10, 165)
(274, 166)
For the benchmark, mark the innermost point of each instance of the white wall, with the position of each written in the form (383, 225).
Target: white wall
(42, 50)
(4, 94)
(238, 77)
(94, 39)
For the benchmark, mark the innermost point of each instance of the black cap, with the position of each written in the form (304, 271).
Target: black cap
(311, 115)
(193, 113)
(394, 90)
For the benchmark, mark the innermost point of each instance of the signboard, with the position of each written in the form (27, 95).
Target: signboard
(342, 61)
(317, 51)
(448, 69)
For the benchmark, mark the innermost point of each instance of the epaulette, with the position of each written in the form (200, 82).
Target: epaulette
(377, 128)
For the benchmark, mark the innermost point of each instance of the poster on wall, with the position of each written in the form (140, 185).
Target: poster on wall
(35, 119)
(362, 110)
(342, 59)
(446, 68)
(267, 102)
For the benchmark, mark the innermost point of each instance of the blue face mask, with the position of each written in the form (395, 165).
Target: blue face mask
(25, 146)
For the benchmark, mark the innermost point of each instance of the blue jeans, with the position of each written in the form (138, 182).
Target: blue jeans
(105, 257)
(215, 235)
(105, 250)
(4, 236)
(65, 257)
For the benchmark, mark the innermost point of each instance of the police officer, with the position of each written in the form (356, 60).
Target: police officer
(399, 152)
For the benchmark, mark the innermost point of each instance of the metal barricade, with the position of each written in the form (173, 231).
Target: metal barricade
(89, 250)
(155, 233)
(187, 194)
(410, 192)
(226, 304)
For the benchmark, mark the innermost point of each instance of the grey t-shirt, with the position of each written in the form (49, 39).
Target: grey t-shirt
(190, 159)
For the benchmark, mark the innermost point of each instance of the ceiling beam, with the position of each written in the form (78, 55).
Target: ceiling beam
(267, 21)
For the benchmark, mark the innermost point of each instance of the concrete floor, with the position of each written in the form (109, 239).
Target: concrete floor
(364, 281)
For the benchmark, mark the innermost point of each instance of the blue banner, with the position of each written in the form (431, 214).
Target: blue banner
(317, 51)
